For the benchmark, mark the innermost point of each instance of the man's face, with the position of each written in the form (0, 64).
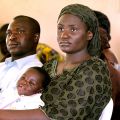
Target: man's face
(20, 39)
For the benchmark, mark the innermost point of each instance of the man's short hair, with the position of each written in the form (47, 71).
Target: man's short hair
(34, 23)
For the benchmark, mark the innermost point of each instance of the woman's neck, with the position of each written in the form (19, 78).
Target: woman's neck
(71, 61)
(76, 58)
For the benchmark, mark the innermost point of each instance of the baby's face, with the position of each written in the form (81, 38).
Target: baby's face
(30, 82)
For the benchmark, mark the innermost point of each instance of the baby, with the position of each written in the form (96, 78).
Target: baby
(27, 93)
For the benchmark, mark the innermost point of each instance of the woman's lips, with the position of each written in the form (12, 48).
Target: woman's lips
(64, 44)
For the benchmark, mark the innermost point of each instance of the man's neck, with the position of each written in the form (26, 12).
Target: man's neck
(16, 57)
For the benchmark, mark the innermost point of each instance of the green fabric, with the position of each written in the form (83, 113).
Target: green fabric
(77, 94)
(89, 18)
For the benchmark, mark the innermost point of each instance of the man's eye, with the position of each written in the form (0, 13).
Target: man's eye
(21, 31)
(8, 33)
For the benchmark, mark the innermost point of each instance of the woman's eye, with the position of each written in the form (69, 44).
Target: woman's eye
(73, 29)
(60, 29)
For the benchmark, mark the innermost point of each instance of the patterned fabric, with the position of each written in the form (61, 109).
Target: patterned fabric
(88, 17)
(46, 53)
(77, 94)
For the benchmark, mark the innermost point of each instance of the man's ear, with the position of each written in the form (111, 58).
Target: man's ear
(89, 35)
(36, 37)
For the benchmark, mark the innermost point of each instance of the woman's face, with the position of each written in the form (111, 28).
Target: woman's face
(72, 34)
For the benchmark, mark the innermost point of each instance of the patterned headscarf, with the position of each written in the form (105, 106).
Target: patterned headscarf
(89, 18)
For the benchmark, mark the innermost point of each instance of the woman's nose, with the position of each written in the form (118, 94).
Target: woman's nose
(65, 34)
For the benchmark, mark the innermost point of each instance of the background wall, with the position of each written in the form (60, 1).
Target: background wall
(47, 11)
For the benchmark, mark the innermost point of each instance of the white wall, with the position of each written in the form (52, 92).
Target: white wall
(46, 12)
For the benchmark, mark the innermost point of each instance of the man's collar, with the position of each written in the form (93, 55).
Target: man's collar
(20, 62)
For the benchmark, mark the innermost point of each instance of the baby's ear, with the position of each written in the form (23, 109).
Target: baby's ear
(40, 91)
(89, 35)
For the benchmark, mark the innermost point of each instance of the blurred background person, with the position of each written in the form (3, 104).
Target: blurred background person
(46, 53)
(109, 56)
(104, 29)
(3, 49)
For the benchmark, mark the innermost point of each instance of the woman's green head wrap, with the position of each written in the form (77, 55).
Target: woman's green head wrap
(89, 18)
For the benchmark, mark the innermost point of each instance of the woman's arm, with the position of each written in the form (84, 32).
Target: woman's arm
(35, 114)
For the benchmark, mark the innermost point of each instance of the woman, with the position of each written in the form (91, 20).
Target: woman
(80, 86)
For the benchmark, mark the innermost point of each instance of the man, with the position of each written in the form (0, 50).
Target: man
(22, 38)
